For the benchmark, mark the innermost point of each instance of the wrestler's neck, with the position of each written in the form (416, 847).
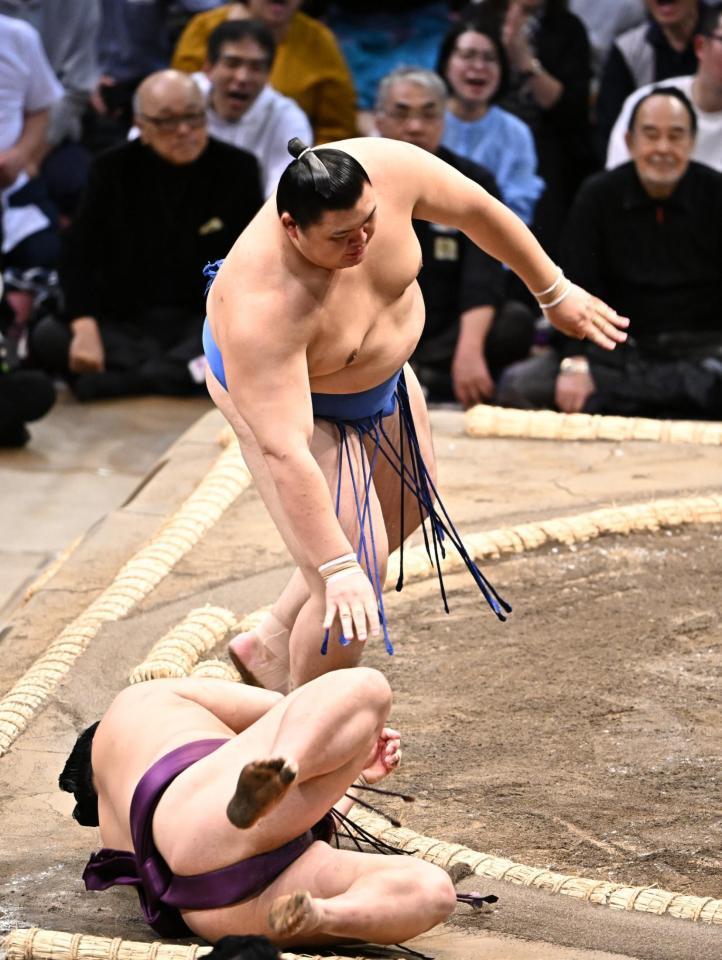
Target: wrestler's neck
(466, 110)
(308, 272)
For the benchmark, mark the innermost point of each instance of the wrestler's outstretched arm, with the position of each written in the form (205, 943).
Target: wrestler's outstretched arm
(441, 194)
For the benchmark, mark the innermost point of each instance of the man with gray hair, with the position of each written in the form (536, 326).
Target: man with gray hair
(472, 331)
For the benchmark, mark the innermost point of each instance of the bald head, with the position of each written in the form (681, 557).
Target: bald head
(170, 112)
(166, 87)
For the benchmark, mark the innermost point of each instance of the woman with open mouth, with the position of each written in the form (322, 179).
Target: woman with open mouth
(473, 63)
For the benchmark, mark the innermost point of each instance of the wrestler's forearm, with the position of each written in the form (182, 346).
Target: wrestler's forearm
(498, 231)
(306, 501)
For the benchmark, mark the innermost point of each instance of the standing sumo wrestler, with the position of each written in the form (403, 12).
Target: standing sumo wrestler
(311, 320)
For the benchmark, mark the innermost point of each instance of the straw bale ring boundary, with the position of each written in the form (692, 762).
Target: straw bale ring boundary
(35, 944)
(488, 421)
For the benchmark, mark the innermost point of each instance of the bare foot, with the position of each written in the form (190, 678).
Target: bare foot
(293, 914)
(261, 785)
(257, 664)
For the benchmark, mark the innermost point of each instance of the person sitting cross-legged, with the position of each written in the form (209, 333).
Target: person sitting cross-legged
(213, 799)
(648, 234)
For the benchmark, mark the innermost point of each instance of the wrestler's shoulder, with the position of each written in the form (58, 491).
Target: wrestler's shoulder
(380, 150)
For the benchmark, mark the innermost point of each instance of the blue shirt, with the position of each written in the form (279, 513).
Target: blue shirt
(504, 145)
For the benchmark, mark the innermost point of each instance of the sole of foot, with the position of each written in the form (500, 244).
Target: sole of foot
(257, 666)
(293, 914)
(261, 785)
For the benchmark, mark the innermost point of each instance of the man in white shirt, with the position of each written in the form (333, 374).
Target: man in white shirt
(243, 109)
(704, 90)
(28, 88)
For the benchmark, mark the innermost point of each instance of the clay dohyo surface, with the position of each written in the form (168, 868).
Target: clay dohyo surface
(585, 734)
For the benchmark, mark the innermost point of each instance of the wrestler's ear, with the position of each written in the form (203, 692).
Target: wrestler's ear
(289, 225)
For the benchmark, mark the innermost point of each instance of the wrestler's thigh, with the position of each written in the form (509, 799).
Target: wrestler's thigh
(351, 492)
(322, 870)
(386, 479)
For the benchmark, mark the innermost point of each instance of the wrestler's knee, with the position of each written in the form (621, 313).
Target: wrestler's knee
(361, 689)
(373, 688)
(435, 890)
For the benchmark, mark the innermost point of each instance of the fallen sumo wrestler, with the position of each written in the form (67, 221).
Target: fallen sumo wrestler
(312, 318)
(214, 853)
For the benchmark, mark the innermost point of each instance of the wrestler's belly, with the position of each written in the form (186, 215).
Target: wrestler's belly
(363, 353)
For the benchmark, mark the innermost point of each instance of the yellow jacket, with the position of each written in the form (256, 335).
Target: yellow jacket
(309, 67)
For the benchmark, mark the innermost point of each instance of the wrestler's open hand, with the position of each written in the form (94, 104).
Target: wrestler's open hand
(351, 598)
(583, 316)
(385, 756)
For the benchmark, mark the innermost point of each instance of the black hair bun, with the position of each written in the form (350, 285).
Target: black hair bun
(296, 146)
(77, 778)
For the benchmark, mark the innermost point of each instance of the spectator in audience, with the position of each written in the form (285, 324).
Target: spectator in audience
(660, 48)
(704, 90)
(309, 66)
(547, 49)
(648, 235)
(25, 395)
(156, 210)
(133, 41)
(243, 109)
(378, 35)
(473, 63)
(470, 333)
(604, 22)
(28, 90)
(69, 32)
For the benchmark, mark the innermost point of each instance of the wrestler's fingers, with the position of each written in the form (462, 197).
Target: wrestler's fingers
(331, 611)
(597, 335)
(389, 733)
(344, 614)
(372, 614)
(358, 613)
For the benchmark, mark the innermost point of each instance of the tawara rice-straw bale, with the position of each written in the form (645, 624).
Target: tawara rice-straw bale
(577, 528)
(36, 944)
(487, 421)
(614, 895)
(214, 669)
(224, 482)
(179, 650)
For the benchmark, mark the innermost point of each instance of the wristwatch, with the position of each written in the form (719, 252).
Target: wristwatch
(574, 365)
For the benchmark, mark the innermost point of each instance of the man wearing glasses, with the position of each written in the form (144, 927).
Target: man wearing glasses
(156, 210)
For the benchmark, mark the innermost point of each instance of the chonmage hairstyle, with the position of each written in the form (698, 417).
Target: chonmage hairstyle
(77, 778)
(318, 180)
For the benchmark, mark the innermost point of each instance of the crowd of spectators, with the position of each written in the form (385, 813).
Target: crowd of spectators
(139, 137)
